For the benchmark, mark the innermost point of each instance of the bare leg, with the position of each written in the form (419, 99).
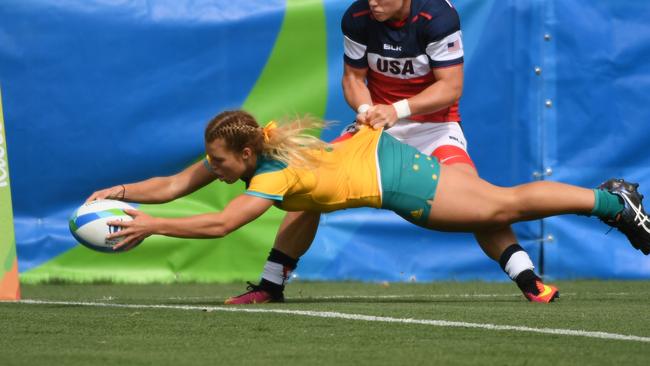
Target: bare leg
(464, 202)
(493, 241)
(296, 233)
(294, 237)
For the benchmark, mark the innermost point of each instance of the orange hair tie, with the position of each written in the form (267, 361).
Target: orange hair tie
(267, 129)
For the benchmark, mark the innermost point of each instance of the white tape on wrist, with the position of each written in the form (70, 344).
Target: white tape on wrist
(402, 108)
(363, 108)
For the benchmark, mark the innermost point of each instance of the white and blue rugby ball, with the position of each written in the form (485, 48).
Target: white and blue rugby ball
(88, 224)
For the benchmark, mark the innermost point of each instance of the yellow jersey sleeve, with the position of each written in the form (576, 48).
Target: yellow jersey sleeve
(272, 180)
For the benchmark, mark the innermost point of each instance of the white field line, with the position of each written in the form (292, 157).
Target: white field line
(347, 316)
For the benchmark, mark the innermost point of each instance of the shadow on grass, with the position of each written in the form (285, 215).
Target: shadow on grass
(361, 300)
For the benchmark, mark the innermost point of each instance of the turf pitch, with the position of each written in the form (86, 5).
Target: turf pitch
(594, 322)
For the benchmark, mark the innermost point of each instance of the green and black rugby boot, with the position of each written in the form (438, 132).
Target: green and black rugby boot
(632, 221)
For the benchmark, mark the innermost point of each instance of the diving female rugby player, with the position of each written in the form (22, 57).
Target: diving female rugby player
(283, 166)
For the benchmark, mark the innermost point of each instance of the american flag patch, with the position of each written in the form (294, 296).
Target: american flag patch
(453, 46)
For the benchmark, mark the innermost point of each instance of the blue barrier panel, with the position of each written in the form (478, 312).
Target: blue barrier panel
(551, 92)
(82, 75)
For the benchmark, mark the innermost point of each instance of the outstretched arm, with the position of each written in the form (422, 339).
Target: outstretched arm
(159, 189)
(237, 213)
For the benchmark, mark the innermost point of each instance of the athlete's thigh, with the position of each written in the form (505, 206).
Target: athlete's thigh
(465, 202)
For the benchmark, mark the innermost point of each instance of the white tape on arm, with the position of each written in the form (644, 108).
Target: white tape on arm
(402, 108)
(363, 108)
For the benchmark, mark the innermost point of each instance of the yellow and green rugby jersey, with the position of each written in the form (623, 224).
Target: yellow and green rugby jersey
(370, 169)
(345, 177)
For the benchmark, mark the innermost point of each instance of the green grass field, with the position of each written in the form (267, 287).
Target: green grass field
(322, 324)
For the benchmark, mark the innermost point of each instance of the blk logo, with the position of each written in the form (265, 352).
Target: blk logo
(390, 47)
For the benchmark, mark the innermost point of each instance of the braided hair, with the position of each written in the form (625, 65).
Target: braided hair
(289, 142)
(238, 129)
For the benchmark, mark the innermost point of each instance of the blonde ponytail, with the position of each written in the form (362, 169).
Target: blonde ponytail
(292, 141)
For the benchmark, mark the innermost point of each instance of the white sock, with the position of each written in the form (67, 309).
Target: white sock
(276, 273)
(518, 262)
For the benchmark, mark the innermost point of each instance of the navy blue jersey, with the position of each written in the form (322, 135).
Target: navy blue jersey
(400, 56)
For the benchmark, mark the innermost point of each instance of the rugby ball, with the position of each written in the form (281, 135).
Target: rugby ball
(88, 224)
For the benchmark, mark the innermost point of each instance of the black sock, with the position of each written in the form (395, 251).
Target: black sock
(283, 259)
(527, 282)
(273, 289)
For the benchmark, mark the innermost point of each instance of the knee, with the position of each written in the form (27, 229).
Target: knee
(500, 218)
(504, 209)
